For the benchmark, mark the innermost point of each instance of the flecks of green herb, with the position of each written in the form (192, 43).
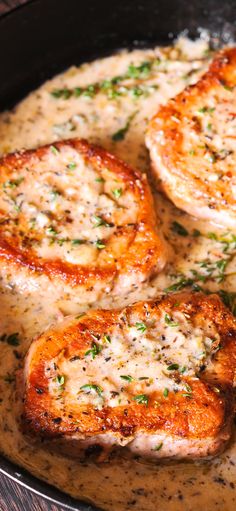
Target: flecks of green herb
(127, 378)
(206, 109)
(61, 93)
(60, 380)
(141, 399)
(100, 222)
(12, 339)
(179, 229)
(117, 192)
(139, 71)
(120, 134)
(80, 315)
(78, 242)
(54, 150)
(182, 369)
(72, 165)
(169, 321)
(90, 386)
(94, 351)
(141, 327)
(165, 392)
(13, 183)
(51, 230)
(173, 367)
(158, 447)
(107, 338)
(99, 244)
(100, 180)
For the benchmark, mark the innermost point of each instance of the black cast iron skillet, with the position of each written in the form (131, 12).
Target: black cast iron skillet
(43, 37)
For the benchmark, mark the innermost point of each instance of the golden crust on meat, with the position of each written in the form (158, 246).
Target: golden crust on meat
(192, 144)
(193, 403)
(76, 213)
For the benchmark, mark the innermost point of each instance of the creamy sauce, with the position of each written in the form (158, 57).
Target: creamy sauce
(115, 114)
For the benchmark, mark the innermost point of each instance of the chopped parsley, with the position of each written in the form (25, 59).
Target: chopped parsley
(13, 183)
(169, 321)
(141, 399)
(72, 165)
(127, 378)
(77, 242)
(158, 447)
(113, 88)
(60, 380)
(100, 222)
(91, 387)
(99, 244)
(117, 192)
(100, 180)
(107, 338)
(165, 392)
(94, 351)
(141, 327)
(54, 150)
(120, 134)
(173, 367)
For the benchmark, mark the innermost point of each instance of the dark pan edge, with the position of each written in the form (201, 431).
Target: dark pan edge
(41, 488)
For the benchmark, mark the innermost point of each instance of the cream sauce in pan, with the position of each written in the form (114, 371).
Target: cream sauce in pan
(110, 101)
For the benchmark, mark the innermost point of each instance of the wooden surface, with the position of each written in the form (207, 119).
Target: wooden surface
(12, 496)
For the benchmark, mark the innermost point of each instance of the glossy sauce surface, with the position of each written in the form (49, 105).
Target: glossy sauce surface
(109, 102)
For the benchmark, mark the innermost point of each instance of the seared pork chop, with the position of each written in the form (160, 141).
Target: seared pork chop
(79, 216)
(192, 142)
(156, 377)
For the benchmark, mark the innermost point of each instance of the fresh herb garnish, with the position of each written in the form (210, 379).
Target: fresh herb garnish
(120, 134)
(13, 183)
(94, 351)
(165, 392)
(100, 222)
(54, 150)
(60, 379)
(158, 447)
(99, 244)
(107, 338)
(72, 165)
(117, 192)
(141, 327)
(127, 377)
(169, 321)
(173, 367)
(141, 399)
(78, 242)
(91, 387)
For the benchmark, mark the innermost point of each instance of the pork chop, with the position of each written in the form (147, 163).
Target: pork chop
(156, 377)
(192, 142)
(79, 216)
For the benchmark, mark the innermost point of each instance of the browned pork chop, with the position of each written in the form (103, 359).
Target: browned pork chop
(156, 377)
(192, 142)
(79, 216)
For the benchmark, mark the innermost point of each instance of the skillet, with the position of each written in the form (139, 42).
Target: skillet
(43, 37)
